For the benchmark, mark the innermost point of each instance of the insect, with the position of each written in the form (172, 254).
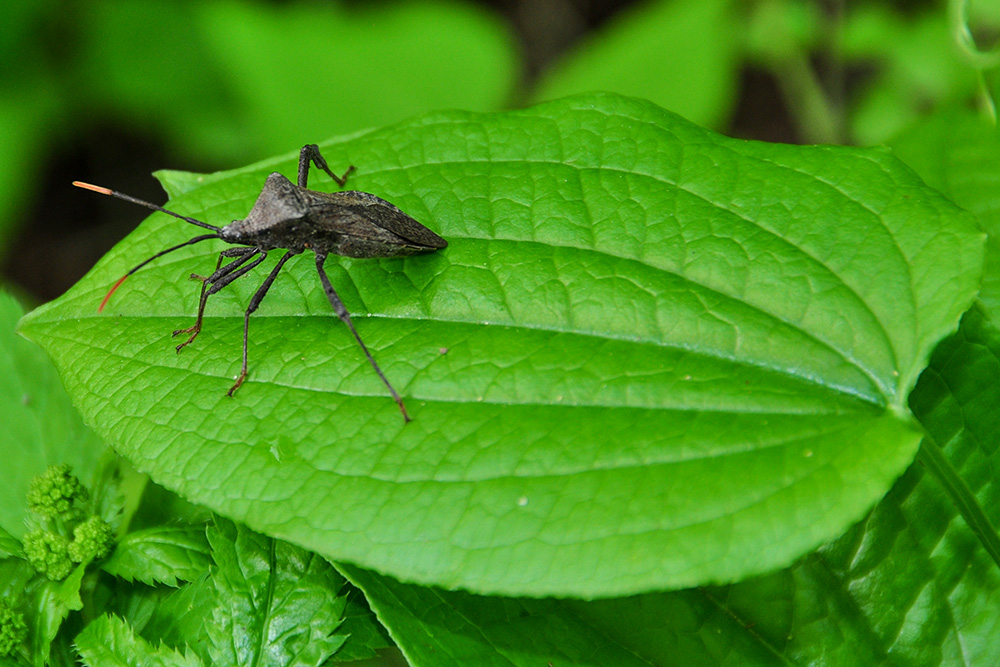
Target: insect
(293, 218)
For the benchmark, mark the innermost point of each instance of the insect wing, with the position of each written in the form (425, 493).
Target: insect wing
(361, 208)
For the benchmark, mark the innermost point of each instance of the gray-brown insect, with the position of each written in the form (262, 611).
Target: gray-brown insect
(293, 218)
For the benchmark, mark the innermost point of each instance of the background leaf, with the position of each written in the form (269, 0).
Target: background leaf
(680, 55)
(41, 426)
(672, 358)
(956, 152)
(256, 78)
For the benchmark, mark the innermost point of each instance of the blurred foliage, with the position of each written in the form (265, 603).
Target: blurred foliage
(222, 83)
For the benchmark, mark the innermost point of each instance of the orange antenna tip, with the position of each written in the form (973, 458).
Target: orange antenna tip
(110, 292)
(95, 188)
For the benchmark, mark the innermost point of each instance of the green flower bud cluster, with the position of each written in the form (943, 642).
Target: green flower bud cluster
(69, 535)
(13, 629)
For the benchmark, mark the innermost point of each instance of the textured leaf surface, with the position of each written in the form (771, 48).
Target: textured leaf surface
(275, 603)
(651, 356)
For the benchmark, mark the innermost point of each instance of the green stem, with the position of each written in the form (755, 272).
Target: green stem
(815, 114)
(932, 457)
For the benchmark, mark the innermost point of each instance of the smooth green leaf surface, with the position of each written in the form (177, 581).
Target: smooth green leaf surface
(9, 544)
(41, 427)
(650, 357)
(108, 640)
(441, 628)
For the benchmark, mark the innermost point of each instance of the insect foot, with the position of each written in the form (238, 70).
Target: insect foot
(288, 216)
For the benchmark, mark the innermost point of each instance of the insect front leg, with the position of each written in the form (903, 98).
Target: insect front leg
(341, 311)
(310, 153)
(254, 303)
(219, 279)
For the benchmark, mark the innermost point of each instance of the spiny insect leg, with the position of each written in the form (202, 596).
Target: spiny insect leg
(310, 153)
(224, 276)
(338, 307)
(254, 303)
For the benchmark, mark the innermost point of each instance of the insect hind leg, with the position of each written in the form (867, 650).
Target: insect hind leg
(254, 303)
(310, 153)
(341, 311)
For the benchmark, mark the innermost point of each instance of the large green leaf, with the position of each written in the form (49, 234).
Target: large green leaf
(650, 357)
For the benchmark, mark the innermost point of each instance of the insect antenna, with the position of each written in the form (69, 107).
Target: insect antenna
(197, 239)
(120, 195)
(128, 198)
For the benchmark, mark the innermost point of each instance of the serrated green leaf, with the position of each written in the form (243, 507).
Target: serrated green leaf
(51, 603)
(365, 635)
(650, 357)
(41, 427)
(162, 554)
(108, 640)
(179, 619)
(275, 604)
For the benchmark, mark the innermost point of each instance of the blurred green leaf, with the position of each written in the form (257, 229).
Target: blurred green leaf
(41, 427)
(26, 112)
(958, 152)
(672, 358)
(301, 75)
(242, 79)
(681, 55)
(917, 65)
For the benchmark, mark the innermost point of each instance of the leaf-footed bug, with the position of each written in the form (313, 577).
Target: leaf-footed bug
(295, 219)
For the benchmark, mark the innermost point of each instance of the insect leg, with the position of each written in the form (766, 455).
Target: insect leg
(254, 302)
(243, 255)
(338, 307)
(310, 153)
